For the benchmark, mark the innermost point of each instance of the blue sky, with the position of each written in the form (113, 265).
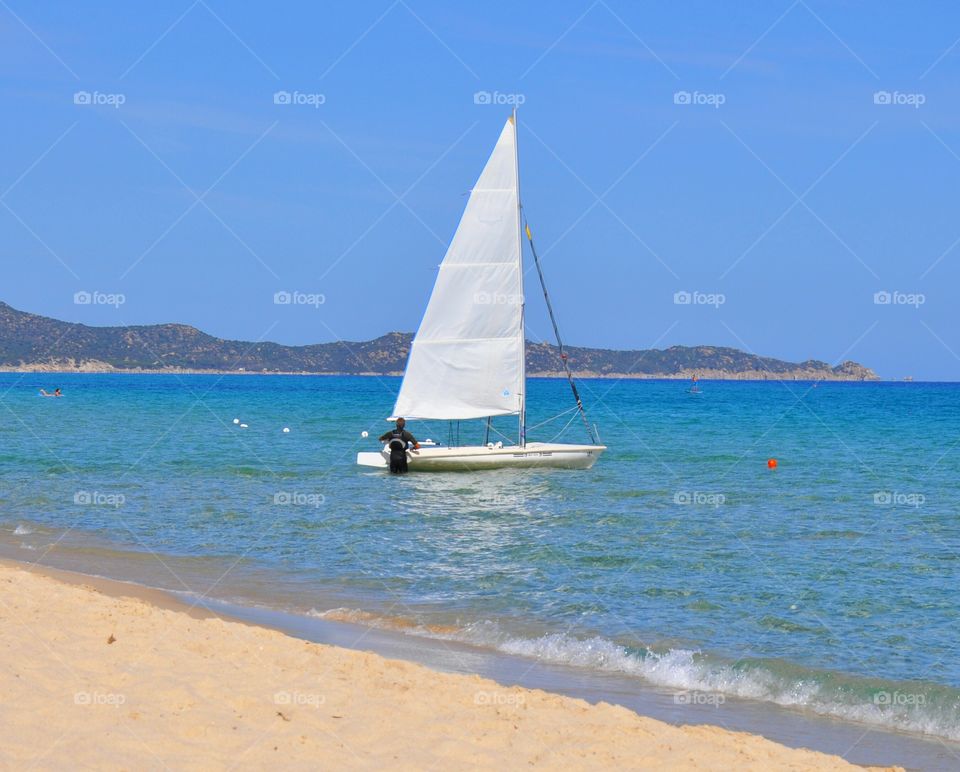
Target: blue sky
(782, 162)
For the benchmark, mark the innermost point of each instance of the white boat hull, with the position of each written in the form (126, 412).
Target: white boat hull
(546, 455)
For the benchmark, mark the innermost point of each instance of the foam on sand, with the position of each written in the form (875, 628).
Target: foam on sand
(918, 707)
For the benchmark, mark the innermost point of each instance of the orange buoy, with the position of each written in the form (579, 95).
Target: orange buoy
(771, 463)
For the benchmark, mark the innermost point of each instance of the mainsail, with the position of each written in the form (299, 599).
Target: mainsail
(466, 360)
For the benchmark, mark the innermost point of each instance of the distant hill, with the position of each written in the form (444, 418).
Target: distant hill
(32, 342)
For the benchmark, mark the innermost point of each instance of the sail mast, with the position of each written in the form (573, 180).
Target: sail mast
(523, 303)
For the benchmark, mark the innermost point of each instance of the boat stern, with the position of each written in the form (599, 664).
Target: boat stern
(372, 459)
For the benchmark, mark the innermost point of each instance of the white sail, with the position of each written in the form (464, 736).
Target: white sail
(466, 360)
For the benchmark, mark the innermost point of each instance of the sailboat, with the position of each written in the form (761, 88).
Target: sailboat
(467, 360)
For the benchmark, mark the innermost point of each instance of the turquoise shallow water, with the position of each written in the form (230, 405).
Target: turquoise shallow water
(828, 584)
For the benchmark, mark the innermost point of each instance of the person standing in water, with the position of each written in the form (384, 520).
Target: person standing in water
(397, 440)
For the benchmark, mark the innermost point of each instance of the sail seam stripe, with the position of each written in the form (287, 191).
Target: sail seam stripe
(472, 265)
(461, 340)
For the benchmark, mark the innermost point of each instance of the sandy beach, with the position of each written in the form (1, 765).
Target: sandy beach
(104, 674)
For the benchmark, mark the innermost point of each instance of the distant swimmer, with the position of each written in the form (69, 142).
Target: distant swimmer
(56, 393)
(397, 440)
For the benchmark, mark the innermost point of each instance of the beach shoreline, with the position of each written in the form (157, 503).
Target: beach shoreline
(750, 376)
(133, 674)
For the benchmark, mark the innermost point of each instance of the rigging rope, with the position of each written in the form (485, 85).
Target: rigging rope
(566, 426)
(495, 430)
(556, 332)
(554, 418)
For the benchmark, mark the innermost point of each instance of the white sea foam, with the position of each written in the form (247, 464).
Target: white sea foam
(922, 708)
(22, 530)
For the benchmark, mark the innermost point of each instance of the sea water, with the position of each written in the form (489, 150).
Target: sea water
(828, 584)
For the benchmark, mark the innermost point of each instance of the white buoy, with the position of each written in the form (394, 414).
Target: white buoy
(364, 434)
(236, 420)
(286, 430)
(244, 426)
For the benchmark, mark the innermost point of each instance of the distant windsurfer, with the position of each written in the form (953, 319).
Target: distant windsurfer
(397, 440)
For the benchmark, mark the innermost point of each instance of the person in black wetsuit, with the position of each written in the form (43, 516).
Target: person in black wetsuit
(398, 439)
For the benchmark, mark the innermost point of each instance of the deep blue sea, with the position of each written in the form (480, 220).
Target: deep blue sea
(829, 583)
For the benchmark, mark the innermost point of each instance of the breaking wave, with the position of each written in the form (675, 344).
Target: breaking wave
(919, 707)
